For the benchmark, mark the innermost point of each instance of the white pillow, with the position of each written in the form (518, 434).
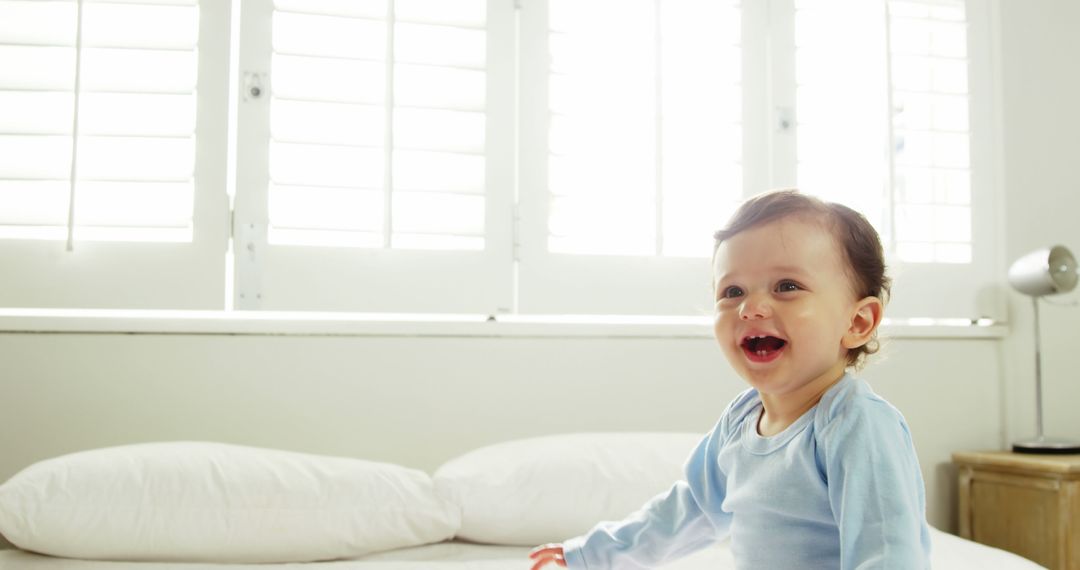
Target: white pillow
(189, 501)
(548, 489)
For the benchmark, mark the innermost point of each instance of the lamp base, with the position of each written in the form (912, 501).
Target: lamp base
(1046, 446)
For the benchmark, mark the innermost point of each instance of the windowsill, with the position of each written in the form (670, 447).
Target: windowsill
(275, 323)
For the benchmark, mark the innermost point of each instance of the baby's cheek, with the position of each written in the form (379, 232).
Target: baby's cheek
(724, 325)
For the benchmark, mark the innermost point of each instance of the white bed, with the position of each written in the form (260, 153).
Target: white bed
(950, 553)
(204, 505)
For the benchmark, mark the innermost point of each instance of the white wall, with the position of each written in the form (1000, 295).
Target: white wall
(1041, 95)
(420, 401)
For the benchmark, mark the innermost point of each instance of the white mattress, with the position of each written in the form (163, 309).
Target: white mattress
(949, 553)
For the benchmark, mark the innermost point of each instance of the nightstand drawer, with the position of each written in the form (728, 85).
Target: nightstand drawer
(1027, 504)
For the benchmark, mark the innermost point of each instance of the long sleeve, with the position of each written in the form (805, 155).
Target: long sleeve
(876, 489)
(669, 526)
(674, 524)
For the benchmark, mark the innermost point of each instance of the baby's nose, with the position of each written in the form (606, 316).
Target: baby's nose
(755, 307)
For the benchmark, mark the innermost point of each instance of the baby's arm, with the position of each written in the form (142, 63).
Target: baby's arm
(686, 518)
(669, 526)
(673, 524)
(876, 490)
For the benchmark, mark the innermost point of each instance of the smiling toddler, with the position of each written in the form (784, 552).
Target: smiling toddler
(808, 468)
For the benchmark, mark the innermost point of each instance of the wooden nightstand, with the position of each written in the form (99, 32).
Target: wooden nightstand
(1023, 503)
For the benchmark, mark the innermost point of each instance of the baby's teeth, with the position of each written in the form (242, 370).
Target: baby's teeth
(761, 353)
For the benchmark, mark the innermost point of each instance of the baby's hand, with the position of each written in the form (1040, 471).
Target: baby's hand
(547, 553)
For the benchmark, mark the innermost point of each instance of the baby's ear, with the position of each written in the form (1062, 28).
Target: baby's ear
(865, 319)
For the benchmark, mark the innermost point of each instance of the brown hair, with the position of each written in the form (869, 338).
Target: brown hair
(862, 247)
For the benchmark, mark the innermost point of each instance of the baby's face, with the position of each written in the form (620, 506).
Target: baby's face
(784, 302)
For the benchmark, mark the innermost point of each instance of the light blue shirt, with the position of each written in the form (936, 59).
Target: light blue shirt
(838, 489)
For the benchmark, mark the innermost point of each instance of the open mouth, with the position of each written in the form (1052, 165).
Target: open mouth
(763, 348)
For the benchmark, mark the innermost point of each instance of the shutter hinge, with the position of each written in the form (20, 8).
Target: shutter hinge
(248, 280)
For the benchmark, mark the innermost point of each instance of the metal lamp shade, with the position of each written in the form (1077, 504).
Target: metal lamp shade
(1044, 272)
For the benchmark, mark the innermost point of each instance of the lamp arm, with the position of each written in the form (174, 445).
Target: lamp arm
(1038, 372)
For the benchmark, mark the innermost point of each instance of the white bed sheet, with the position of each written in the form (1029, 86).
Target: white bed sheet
(949, 553)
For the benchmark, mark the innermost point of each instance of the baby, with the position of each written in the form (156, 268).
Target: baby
(808, 468)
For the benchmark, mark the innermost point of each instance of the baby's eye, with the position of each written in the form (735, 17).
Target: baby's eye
(731, 292)
(787, 287)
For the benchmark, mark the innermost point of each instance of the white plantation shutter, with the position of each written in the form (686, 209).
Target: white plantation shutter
(841, 104)
(632, 152)
(634, 148)
(407, 162)
(99, 143)
(480, 156)
(885, 111)
(931, 132)
(386, 147)
(136, 121)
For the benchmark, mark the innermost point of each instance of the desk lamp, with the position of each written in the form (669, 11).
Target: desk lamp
(1045, 271)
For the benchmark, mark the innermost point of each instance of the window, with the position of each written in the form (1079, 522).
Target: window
(917, 192)
(377, 175)
(866, 103)
(930, 132)
(135, 139)
(98, 144)
(484, 156)
(644, 124)
(377, 125)
(632, 152)
(885, 127)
